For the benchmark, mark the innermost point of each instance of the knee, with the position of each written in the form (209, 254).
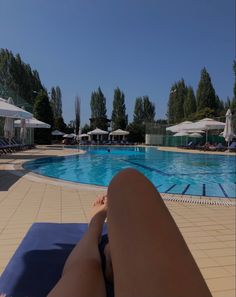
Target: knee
(126, 177)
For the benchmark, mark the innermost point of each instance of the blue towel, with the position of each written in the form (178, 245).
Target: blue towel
(38, 262)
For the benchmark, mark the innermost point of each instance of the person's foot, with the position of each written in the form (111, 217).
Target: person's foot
(99, 205)
(99, 208)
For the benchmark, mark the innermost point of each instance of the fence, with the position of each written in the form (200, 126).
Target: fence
(156, 134)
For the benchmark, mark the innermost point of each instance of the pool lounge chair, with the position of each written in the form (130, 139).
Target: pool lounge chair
(37, 264)
(232, 147)
(220, 147)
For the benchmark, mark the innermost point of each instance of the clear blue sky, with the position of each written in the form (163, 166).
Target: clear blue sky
(142, 46)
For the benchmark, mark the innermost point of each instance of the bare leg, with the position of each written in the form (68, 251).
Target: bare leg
(82, 275)
(149, 255)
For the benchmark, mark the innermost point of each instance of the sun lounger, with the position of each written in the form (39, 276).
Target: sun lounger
(38, 262)
(232, 147)
(220, 147)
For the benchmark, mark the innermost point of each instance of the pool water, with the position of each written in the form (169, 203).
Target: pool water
(170, 172)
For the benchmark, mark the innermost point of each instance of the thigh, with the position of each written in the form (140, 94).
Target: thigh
(149, 256)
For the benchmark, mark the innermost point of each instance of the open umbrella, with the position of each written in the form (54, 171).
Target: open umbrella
(179, 127)
(206, 125)
(57, 133)
(32, 123)
(228, 132)
(97, 131)
(182, 133)
(8, 110)
(195, 135)
(72, 135)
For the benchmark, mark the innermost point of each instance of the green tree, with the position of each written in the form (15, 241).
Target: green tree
(59, 124)
(98, 110)
(86, 128)
(56, 102)
(206, 97)
(43, 112)
(189, 103)
(77, 114)
(177, 97)
(137, 132)
(119, 117)
(138, 111)
(148, 110)
(233, 102)
(17, 79)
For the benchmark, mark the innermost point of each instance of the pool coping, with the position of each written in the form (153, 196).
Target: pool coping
(19, 170)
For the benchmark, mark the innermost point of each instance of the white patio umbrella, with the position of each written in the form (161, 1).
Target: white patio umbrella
(72, 135)
(195, 135)
(57, 133)
(181, 133)
(83, 135)
(206, 125)
(228, 132)
(119, 132)
(9, 125)
(97, 132)
(8, 110)
(179, 127)
(32, 123)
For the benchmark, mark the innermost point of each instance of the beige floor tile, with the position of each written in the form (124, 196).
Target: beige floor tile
(214, 272)
(231, 269)
(228, 293)
(221, 284)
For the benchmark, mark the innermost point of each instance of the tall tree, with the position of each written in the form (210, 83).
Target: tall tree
(53, 101)
(148, 110)
(138, 111)
(43, 112)
(177, 98)
(59, 124)
(56, 102)
(59, 102)
(189, 103)
(233, 102)
(119, 117)
(18, 80)
(77, 114)
(206, 96)
(98, 110)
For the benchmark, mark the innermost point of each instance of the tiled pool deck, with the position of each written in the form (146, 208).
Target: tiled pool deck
(25, 198)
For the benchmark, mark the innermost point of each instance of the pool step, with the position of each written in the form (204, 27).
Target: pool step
(209, 190)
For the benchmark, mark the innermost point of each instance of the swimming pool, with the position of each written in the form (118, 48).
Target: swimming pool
(170, 172)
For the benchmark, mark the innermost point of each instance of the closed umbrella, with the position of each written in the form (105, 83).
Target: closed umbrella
(228, 132)
(9, 125)
(23, 131)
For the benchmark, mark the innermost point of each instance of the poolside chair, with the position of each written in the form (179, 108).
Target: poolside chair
(37, 264)
(220, 147)
(232, 147)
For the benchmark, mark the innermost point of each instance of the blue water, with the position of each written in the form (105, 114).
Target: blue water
(177, 173)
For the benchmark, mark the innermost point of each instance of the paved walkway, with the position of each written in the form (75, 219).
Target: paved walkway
(25, 198)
